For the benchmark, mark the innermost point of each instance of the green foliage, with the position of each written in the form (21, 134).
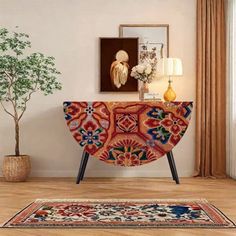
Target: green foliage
(21, 76)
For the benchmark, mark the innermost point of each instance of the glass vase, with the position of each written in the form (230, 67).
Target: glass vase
(144, 88)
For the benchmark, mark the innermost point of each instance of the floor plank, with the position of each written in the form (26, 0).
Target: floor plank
(15, 196)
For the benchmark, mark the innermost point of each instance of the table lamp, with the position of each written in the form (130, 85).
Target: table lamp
(170, 67)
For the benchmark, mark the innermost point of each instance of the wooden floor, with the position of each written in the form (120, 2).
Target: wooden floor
(15, 196)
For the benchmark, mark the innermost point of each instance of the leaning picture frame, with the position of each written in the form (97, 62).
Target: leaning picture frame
(153, 39)
(117, 57)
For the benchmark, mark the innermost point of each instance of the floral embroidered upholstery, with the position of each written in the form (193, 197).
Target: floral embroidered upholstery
(127, 133)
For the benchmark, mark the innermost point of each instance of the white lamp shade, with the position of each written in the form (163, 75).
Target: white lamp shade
(169, 67)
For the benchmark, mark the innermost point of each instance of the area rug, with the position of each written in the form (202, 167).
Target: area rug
(152, 213)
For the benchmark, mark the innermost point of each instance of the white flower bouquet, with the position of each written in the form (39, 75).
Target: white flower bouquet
(144, 72)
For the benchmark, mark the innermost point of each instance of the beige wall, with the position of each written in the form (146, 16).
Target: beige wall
(69, 30)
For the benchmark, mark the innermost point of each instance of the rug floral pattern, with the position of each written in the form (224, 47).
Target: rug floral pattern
(127, 133)
(135, 213)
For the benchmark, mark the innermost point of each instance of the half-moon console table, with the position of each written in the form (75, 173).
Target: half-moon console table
(127, 133)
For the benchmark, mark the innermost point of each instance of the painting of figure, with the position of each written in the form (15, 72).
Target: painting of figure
(118, 56)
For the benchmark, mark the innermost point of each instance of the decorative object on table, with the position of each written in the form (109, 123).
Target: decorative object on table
(120, 213)
(152, 96)
(118, 56)
(143, 90)
(170, 67)
(127, 133)
(20, 77)
(153, 39)
(145, 73)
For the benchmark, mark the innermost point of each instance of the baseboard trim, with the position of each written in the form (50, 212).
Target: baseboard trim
(127, 173)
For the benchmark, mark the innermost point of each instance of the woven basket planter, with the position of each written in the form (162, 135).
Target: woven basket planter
(16, 168)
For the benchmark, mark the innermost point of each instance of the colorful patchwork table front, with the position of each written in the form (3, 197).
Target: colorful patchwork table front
(127, 133)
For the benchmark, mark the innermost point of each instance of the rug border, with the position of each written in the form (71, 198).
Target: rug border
(217, 209)
(199, 200)
(17, 213)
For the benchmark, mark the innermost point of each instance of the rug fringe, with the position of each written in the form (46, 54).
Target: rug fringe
(200, 200)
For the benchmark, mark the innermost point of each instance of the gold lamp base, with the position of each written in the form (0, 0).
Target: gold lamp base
(170, 94)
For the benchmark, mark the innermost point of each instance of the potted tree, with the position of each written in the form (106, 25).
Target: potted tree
(21, 75)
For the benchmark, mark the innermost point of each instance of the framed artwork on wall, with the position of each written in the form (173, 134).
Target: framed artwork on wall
(153, 39)
(117, 57)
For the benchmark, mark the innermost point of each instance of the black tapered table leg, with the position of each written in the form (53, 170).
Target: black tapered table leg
(175, 169)
(172, 165)
(82, 167)
(86, 157)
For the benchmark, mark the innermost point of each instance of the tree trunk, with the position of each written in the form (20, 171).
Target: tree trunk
(17, 137)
